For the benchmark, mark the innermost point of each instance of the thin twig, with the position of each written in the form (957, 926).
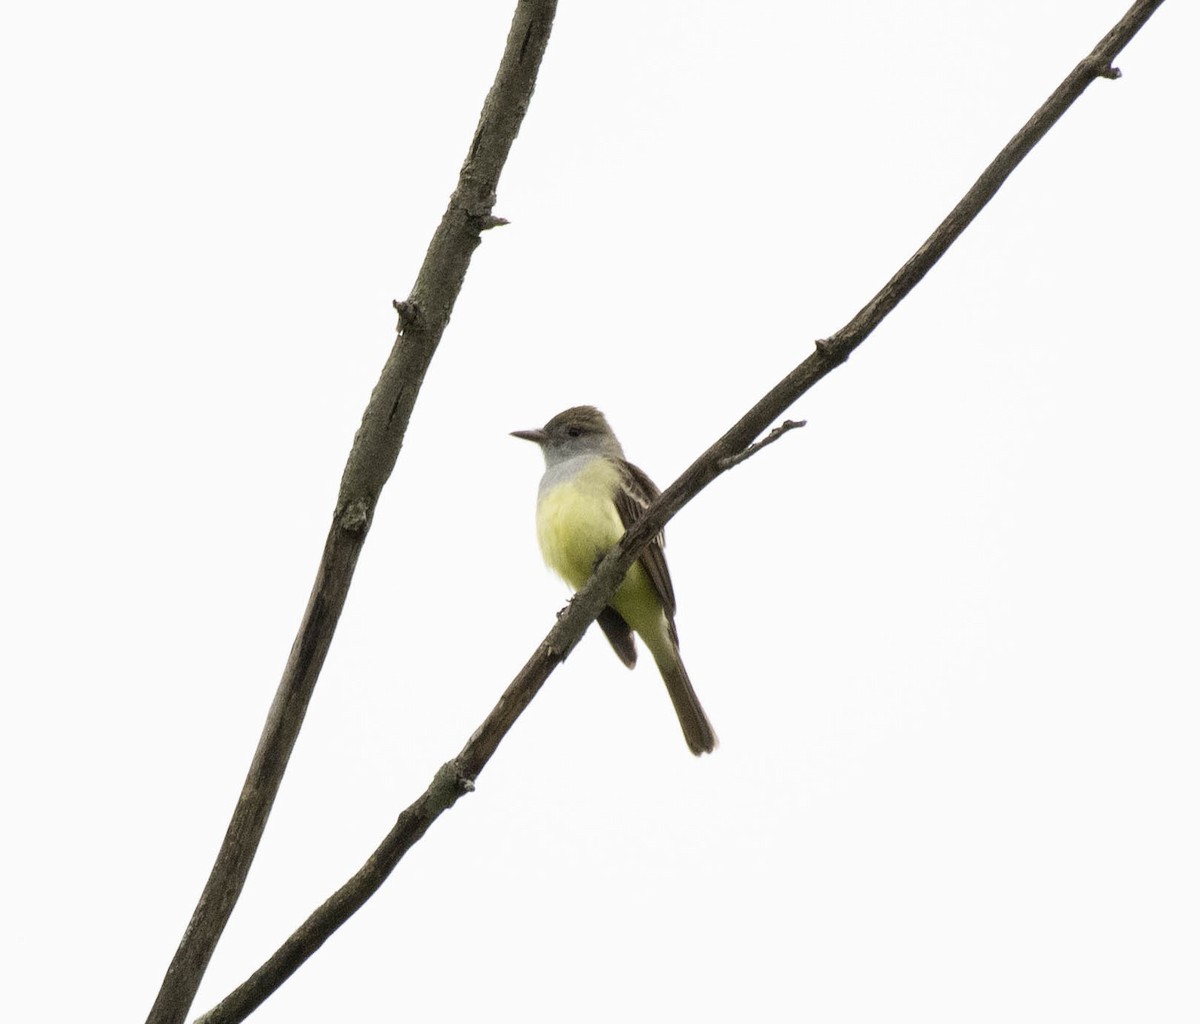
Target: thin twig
(459, 775)
(732, 460)
(422, 319)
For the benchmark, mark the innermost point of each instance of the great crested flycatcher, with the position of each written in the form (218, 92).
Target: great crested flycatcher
(588, 497)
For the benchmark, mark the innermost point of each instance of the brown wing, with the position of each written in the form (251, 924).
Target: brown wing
(619, 635)
(637, 491)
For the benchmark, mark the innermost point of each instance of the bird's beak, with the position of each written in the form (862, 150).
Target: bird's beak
(536, 436)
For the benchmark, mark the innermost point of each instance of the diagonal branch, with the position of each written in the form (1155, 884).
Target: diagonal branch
(457, 776)
(422, 320)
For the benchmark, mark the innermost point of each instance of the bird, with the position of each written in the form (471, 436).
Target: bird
(588, 497)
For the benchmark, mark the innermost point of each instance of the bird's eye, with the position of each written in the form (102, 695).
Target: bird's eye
(574, 431)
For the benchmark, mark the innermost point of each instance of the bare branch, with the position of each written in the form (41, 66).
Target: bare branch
(422, 320)
(458, 776)
(732, 460)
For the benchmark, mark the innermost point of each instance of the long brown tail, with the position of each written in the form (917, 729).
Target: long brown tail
(697, 729)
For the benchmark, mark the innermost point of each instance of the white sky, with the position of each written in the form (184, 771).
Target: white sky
(947, 633)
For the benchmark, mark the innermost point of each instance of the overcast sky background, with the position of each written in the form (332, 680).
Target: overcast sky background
(947, 633)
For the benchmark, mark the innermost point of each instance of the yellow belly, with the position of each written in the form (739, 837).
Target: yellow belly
(577, 524)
